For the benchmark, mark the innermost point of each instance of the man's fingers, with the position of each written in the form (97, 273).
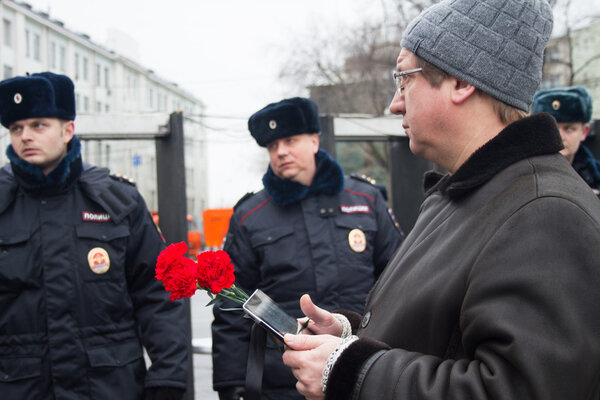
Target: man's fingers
(304, 342)
(313, 312)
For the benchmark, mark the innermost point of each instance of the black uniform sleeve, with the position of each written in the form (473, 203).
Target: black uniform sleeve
(389, 235)
(162, 323)
(230, 329)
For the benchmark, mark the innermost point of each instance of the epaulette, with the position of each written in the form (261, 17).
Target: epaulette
(363, 178)
(243, 199)
(122, 178)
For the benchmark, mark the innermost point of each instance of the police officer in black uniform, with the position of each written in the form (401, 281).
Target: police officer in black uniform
(572, 109)
(310, 230)
(78, 249)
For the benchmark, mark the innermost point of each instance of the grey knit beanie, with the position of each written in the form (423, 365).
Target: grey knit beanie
(496, 45)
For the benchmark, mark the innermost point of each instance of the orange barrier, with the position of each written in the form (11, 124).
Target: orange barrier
(216, 224)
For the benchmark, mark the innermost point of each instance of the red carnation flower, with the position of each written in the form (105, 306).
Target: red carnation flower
(170, 258)
(215, 271)
(182, 280)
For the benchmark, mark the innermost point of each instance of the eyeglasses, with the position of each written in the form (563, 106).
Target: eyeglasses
(399, 75)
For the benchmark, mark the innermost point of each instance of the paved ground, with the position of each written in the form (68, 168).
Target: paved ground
(201, 319)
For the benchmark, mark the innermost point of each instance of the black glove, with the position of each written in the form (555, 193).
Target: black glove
(232, 393)
(163, 393)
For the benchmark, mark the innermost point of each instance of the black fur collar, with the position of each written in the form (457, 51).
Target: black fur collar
(32, 178)
(328, 179)
(532, 136)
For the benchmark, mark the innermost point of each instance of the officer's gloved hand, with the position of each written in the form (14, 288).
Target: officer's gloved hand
(163, 393)
(232, 393)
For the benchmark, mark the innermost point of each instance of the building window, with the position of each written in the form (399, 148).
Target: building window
(53, 55)
(77, 99)
(85, 69)
(8, 72)
(98, 107)
(36, 46)
(551, 81)
(554, 54)
(62, 58)
(98, 75)
(7, 32)
(86, 103)
(106, 108)
(76, 66)
(27, 44)
(106, 81)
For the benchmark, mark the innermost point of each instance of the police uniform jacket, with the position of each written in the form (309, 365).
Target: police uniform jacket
(330, 240)
(588, 168)
(78, 297)
(494, 294)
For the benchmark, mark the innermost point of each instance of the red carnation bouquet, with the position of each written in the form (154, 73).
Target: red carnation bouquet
(212, 272)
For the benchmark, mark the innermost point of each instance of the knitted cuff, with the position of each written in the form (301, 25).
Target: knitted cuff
(346, 327)
(333, 358)
(344, 374)
(352, 316)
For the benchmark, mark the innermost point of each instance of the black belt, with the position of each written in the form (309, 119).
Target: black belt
(256, 362)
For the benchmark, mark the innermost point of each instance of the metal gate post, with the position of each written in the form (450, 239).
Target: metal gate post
(327, 139)
(172, 207)
(406, 172)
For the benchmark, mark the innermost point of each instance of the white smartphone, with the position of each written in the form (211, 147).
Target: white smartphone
(267, 313)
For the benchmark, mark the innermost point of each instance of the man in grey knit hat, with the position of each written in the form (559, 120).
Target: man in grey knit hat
(492, 295)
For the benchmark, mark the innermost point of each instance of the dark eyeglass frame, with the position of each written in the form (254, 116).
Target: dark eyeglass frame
(398, 75)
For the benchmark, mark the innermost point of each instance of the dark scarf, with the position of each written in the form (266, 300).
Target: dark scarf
(329, 179)
(60, 178)
(532, 136)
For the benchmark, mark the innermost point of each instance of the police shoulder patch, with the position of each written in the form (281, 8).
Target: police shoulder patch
(363, 178)
(243, 199)
(122, 178)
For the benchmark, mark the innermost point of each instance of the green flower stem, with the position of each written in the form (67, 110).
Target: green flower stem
(304, 326)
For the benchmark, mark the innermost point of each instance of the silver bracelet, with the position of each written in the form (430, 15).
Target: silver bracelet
(346, 327)
(333, 358)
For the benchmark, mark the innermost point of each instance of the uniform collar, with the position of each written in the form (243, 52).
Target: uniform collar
(31, 177)
(585, 159)
(329, 179)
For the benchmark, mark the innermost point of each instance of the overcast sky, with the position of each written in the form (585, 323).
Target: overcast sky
(228, 53)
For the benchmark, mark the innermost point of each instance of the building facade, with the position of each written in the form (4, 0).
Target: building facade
(586, 60)
(108, 86)
(557, 63)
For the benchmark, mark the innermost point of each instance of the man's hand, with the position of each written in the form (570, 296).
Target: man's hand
(307, 356)
(321, 321)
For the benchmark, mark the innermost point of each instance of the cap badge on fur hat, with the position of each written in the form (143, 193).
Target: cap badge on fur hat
(285, 118)
(565, 104)
(18, 98)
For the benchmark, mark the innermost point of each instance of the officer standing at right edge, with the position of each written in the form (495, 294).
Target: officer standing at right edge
(311, 230)
(572, 109)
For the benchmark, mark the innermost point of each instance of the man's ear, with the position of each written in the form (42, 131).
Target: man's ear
(586, 130)
(461, 91)
(68, 131)
(315, 140)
